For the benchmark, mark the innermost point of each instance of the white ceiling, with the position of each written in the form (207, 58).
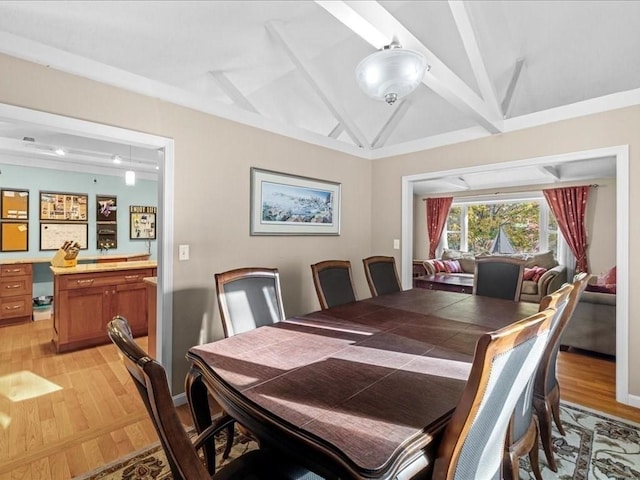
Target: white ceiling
(288, 67)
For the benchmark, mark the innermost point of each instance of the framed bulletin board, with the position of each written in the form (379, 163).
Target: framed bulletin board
(68, 207)
(14, 204)
(106, 208)
(53, 235)
(14, 237)
(142, 223)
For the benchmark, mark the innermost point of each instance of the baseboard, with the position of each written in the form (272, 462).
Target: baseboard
(634, 400)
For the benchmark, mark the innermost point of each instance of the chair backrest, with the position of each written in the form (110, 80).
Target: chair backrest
(333, 282)
(249, 298)
(504, 361)
(545, 379)
(523, 412)
(151, 381)
(382, 275)
(498, 277)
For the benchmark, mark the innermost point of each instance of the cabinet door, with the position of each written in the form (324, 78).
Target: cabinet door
(84, 311)
(131, 303)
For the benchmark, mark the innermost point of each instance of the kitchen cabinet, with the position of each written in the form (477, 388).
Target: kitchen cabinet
(86, 300)
(16, 288)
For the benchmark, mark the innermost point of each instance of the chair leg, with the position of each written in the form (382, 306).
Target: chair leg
(554, 402)
(227, 448)
(533, 455)
(544, 424)
(197, 396)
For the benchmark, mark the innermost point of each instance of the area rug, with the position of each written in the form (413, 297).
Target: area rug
(596, 447)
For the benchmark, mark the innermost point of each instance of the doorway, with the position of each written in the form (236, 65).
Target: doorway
(620, 155)
(96, 131)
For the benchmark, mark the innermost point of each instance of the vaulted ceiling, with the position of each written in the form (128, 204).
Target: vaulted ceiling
(288, 66)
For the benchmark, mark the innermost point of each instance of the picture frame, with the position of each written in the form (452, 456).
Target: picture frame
(53, 235)
(106, 208)
(286, 204)
(14, 204)
(62, 206)
(142, 222)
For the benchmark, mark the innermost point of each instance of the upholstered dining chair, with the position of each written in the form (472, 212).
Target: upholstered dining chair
(522, 434)
(546, 389)
(249, 298)
(498, 277)
(151, 381)
(472, 444)
(333, 282)
(382, 275)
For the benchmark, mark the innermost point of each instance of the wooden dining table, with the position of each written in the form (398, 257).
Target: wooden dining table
(362, 390)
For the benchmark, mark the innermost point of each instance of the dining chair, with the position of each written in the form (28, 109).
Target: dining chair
(472, 444)
(333, 282)
(382, 275)
(498, 277)
(522, 434)
(249, 298)
(546, 389)
(151, 381)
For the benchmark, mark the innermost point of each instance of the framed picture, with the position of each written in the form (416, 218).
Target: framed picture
(14, 237)
(142, 223)
(14, 204)
(53, 235)
(283, 204)
(107, 236)
(106, 208)
(67, 207)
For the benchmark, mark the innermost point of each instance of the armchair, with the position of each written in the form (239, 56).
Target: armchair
(549, 282)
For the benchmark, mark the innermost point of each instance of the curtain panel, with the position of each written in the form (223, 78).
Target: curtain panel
(437, 212)
(569, 205)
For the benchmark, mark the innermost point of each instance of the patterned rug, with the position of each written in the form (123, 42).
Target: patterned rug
(596, 447)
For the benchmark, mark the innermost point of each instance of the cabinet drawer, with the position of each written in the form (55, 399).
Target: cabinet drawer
(15, 306)
(14, 286)
(15, 270)
(87, 280)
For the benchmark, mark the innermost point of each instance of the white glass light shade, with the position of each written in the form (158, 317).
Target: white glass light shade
(130, 177)
(391, 73)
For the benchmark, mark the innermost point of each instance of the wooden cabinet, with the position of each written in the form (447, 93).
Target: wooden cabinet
(16, 282)
(84, 303)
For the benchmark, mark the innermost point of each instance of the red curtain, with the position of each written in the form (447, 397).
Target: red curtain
(569, 206)
(437, 212)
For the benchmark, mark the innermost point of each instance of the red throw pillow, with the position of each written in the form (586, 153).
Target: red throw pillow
(439, 266)
(452, 266)
(607, 288)
(533, 273)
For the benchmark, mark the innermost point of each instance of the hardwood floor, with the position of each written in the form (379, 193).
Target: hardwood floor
(95, 415)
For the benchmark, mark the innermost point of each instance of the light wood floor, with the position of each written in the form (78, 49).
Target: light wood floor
(96, 415)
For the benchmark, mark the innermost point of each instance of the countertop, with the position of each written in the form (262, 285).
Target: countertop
(103, 267)
(81, 258)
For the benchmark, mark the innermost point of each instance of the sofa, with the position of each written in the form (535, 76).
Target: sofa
(543, 274)
(593, 324)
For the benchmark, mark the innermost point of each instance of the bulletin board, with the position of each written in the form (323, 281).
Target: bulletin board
(14, 204)
(14, 237)
(53, 235)
(68, 207)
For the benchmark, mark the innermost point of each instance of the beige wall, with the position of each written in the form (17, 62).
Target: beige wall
(211, 210)
(618, 127)
(601, 221)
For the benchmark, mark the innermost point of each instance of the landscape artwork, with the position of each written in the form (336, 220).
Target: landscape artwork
(285, 204)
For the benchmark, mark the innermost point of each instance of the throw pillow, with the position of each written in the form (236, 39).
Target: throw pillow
(545, 260)
(439, 265)
(594, 287)
(539, 272)
(452, 266)
(534, 273)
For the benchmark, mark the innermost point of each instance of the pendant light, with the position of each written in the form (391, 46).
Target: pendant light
(130, 175)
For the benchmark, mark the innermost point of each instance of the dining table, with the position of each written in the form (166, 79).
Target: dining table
(362, 390)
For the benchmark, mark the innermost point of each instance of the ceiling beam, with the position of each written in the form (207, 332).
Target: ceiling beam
(390, 125)
(470, 42)
(508, 96)
(363, 17)
(231, 91)
(337, 131)
(315, 79)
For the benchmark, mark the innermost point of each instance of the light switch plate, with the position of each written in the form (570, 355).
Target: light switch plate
(183, 252)
(396, 244)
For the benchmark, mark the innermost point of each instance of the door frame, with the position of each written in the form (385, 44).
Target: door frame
(164, 219)
(619, 154)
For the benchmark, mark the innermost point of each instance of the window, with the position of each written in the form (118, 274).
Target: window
(522, 224)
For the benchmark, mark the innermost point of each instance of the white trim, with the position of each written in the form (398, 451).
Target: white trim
(165, 199)
(621, 156)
